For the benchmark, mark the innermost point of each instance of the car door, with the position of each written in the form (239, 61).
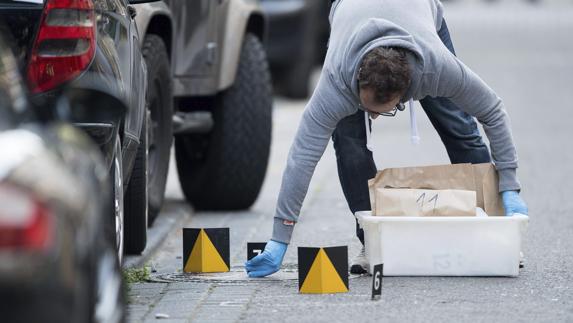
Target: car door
(119, 34)
(196, 50)
(138, 77)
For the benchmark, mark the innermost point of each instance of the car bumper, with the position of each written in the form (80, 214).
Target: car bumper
(37, 306)
(36, 288)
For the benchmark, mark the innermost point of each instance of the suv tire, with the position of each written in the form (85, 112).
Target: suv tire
(160, 121)
(225, 169)
(297, 80)
(296, 83)
(135, 200)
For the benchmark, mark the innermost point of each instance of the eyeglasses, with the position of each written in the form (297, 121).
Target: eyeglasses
(399, 107)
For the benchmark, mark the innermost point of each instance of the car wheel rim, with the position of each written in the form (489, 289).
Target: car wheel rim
(118, 207)
(153, 124)
(108, 290)
(148, 134)
(153, 121)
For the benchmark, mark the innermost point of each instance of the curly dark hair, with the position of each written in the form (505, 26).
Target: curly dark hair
(387, 71)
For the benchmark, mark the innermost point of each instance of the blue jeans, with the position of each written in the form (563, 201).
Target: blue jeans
(356, 166)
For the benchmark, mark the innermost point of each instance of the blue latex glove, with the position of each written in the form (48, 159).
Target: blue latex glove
(513, 203)
(269, 261)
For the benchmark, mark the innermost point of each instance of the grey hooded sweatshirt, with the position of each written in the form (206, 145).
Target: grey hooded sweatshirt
(358, 26)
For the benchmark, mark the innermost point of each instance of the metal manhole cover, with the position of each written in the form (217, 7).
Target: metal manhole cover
(236, 274)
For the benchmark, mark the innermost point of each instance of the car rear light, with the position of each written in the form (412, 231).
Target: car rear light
(25, 222)
(65, 44)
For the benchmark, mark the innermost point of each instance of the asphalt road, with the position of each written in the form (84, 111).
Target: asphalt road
(523, 52)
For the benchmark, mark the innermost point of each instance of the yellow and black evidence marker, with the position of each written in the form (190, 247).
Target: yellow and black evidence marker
(206, 250)
(323, 270)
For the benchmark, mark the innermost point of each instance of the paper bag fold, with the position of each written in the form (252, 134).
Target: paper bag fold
(414, 202)
(480, 178)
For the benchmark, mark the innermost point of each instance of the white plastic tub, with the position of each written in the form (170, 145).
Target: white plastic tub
(444, 246)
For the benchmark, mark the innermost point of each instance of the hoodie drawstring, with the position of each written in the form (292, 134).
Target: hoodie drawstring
(368, 135)
(414, 136)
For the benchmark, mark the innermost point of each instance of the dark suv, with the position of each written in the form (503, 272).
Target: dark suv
(64, 43)
(298, 35)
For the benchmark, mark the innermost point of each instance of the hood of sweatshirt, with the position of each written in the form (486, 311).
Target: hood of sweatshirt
(358, 26)
(380, 33)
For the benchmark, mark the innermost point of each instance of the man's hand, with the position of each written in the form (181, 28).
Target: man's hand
(513, 203)
(269, 261)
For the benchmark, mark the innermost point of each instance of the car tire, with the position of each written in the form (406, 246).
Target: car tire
(114, 229)
(225, 170)
(135, 200)
(160, 120)
(295, 82)
(297, 79)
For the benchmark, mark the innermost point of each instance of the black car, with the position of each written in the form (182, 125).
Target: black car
(60, 43)
(56, 264)
(297, 40)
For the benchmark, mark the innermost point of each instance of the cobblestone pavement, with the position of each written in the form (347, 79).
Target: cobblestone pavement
(526, 54)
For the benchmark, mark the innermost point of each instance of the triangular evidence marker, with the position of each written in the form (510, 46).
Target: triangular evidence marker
(204, 257)
(322, 278)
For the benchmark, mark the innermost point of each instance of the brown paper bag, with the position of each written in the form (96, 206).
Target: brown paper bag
(481, 178)
(413, 202)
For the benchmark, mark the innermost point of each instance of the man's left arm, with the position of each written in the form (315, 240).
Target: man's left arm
(470, 93)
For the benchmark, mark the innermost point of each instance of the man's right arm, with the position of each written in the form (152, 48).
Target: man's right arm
(325, 108)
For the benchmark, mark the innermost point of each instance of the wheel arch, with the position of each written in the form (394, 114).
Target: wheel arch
(247, 17)
(155, 18)
(257, 25)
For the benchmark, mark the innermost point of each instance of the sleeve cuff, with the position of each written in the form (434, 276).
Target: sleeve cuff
(508, 180)
(281, 232)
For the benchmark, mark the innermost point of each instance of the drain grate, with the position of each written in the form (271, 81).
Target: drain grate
(236, 274)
